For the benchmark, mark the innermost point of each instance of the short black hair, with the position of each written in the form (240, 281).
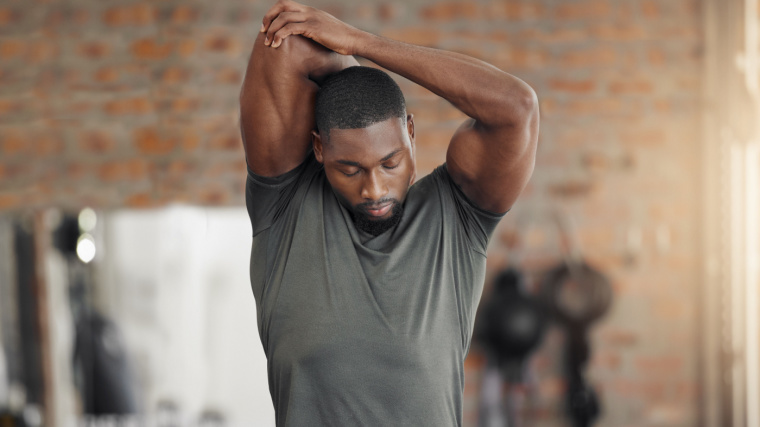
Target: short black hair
(357, 97)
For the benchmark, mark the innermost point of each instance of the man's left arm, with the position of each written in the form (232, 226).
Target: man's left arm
(491, 156)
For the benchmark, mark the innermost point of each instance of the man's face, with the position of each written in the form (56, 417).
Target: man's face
(370, 170)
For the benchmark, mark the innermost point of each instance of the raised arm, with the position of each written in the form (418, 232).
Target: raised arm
(491, 156)
(277, 101)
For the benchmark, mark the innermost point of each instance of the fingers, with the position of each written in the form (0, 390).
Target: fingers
(280, 21)
(288, 30)
(278, 8)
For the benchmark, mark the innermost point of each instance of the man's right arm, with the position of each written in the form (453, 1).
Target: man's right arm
(277, 101)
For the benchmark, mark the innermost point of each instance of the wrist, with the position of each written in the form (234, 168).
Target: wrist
(361, 43)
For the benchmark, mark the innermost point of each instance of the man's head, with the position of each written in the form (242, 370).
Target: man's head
(366, 142)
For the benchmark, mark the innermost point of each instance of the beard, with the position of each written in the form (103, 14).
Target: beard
(376, 227)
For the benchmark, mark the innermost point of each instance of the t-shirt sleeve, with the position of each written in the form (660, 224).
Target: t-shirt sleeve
(478, 224)
(267, 198)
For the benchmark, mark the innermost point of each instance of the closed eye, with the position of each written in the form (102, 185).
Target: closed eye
(351, 174)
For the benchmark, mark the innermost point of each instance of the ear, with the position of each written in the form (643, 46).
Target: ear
(316, 143)
(410, 127)
(410, 130)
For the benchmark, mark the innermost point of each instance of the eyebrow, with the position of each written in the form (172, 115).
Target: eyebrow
(357, 164)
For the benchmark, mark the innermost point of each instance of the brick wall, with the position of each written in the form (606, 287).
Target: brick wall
(134, 104)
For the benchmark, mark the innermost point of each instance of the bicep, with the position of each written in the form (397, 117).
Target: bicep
(493, 166)
(276, 107)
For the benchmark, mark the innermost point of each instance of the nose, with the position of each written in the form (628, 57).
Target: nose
(373, 188)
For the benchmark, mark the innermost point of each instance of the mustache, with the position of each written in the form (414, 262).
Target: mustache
(374, 205)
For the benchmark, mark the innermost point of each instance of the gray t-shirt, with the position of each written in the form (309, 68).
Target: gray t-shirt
(361, 330)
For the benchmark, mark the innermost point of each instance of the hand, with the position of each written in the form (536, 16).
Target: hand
(287, 17)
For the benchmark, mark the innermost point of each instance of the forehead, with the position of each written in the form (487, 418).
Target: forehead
(371, 143)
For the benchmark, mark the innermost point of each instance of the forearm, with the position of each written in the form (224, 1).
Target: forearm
(483, 92)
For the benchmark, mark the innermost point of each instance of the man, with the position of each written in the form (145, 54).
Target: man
(366, 283)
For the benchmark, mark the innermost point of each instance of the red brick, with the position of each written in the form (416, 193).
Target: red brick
(231, 76)
(46, 145)
(107, 75)
(228, 141)
(673, 309)
(139, 14)
(580, 10)
(650, 9)
(8, 16)
(124, 170)
(592, 106)
(14, 142)
(174, 74)
(664, 106)
(183, 15)
(140, 105)
(389, 11)
(600, 56)
(656, 56)
(571, 188)
(12, 47)
(690, 8)
(668, 211)
(96, 141)
(140, 200)
(556, 35)
(79, 16)
(186, 48)
(514, 10)
(631, 87)
(223, 44)
(608, 360)
(182, 105)
(619, 33)
(13, 171)
(548, 106)
(180, 168)
(415, 35)
(187, 139)
(572, 86)
(643, 137)
(651, 390)
(619, 338)
(148, 140)
(54, 19)
(213, 195)
(595, 162)
(665, 365)
(516, 57)
(9, 200)
(150, 49)
(8, 106)
(94, 49)
(365, 12)
(688, 84)
(451, 11)
(41, 52)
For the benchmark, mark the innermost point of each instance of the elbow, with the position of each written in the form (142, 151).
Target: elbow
(523, 107)
(515, 106)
